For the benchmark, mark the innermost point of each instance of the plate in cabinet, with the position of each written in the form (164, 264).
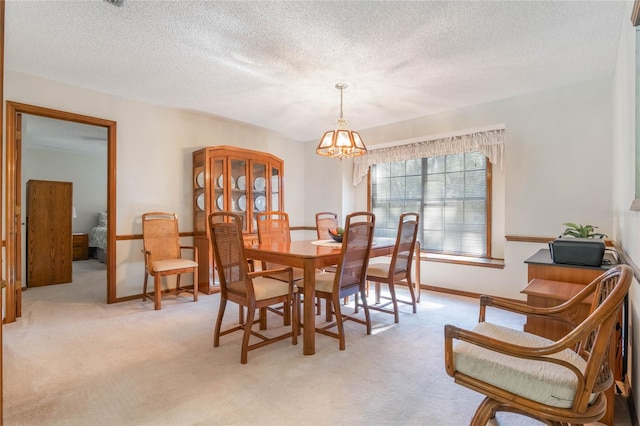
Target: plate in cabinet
(200, 201)
(200, 180)
(259, 184)
(260, 203)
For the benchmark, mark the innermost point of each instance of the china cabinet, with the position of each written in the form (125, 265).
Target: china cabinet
(227, 178)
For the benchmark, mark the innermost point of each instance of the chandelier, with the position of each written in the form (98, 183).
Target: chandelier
(341, 143)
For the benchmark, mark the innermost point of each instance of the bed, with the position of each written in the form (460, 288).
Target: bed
(98, 239)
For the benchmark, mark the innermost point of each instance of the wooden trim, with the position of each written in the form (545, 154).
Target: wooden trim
(635, 13)
(462, 260)
(130, 237)
(13, 109)
(4, 242)
(528, 239)
(457, 292)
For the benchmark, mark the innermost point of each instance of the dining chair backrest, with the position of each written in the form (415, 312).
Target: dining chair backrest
(405, 244)
(324, 222)
(356, 248)
(273, 226)
(228, 248)
(160, 235)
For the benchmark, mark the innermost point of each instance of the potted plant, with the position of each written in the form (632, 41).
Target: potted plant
(582, 231)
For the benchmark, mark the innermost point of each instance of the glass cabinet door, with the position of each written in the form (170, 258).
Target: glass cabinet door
(259, 188)
(217, 177)
(275, 189)
(238, 190)
(199, 197)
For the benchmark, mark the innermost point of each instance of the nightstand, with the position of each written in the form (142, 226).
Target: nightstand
(80, 246)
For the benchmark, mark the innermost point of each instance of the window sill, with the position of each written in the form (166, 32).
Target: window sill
(463, 260)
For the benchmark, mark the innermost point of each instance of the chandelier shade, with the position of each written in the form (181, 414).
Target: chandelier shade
(341, 142)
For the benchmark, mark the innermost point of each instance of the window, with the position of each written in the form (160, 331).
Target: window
(451, 193)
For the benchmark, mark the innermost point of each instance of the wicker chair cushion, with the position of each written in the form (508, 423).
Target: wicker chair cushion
(540, 381)
(378, 270)
(264, 288)
(169, 264)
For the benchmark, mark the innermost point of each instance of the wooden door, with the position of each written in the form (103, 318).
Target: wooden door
(49, 232)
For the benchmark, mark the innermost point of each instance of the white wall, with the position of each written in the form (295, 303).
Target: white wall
(557, 169)
(154, 147)
(626, 222)
(87, 171)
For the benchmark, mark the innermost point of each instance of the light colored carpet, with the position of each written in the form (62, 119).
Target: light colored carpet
(71, 359)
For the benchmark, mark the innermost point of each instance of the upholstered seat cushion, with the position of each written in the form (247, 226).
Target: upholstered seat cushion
(324, 282)
(263, 287)
(540, 381)
(380, 270)
(167, 265)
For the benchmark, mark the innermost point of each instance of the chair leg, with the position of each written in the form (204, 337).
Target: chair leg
(263, 318)
(365, 307)
(339, 322)
(286, 313)
(157, 294)
(251, 311)
(413, 294)
(328, 311)
(377, 290)
(216, 332)
(295, 330)
(144, 286)
(178, 288)
(394, 301)
(195, 285)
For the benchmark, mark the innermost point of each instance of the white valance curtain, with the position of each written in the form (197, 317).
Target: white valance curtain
(490, 143)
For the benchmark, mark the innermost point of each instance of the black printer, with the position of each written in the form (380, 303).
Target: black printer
(577, 251)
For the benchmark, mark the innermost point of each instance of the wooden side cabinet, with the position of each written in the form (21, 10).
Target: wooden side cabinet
(80, 246)
(551, 284)
(227, 178)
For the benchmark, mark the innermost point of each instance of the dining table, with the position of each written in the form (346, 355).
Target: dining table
(310, 255)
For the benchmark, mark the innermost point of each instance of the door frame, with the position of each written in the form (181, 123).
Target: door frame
(13, 208)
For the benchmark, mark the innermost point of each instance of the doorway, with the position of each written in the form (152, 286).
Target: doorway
(13, 167)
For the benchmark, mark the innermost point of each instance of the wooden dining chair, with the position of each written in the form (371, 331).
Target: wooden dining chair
(398, 269)
(273, 227)
(250, 290)
(324, 222)
(163, 255)
(350, 275)
(557, 382)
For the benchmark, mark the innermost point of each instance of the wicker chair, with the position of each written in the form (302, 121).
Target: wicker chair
(398, 269)
(324, 222)
(250, 290)
(349, 278)
(273, 227)
(163, 255)
(557, 382)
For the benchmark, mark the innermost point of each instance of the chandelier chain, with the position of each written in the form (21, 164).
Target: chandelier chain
(341, 98)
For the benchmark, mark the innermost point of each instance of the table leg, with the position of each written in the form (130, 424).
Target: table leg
(309, 314)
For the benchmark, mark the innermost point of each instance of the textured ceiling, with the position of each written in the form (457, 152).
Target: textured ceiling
(275, 64)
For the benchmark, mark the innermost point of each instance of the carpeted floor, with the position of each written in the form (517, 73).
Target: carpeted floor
(71, 359)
